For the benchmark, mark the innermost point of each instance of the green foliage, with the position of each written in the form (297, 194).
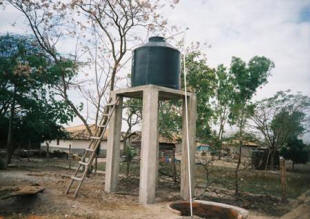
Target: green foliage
(281, 117)
(246, 79)
(221, 95)
(28, 80)
(130, 152)
(2, 164)
(295, 150)
(134, 107)
(292, 121)
(202, 80)
(170, 120)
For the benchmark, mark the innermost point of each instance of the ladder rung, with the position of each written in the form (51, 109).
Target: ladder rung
(102, 126)
(89, 149)
(83, 163)
(105, 114)
(95, 138)
(76, 178)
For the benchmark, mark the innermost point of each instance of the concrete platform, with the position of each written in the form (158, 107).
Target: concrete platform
(164, 93)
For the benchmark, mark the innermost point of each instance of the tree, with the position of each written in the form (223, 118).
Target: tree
(295, 150)
(170, 120)
(246, 79)
(132, 118)
(104, 32)
(280, 118)
(28, 105)
(130, 153)
(47, 21)
(201, 79)
(221, 106)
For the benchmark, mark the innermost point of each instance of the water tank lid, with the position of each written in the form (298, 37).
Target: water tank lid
(157, 39)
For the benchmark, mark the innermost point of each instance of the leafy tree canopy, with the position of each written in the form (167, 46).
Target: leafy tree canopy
(28, 78)
(202, 80)
(246, 79)
(281, 117)
(295, 150)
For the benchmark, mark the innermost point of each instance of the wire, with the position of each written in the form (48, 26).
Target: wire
(187, 135)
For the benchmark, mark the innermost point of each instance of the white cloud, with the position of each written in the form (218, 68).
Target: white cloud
(249, 28)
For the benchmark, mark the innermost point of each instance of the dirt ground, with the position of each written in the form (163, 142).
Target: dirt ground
(92, 202)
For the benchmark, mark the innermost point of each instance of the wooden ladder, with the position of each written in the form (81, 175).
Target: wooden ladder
(90, 152)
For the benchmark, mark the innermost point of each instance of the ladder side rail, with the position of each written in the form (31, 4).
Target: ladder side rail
(94, 144)
(71, 180)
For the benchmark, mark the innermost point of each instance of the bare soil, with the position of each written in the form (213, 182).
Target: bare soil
(92, 202)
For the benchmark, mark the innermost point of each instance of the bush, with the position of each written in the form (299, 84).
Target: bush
(2, 164)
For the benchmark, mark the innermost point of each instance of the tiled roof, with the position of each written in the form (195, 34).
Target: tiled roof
(80, 132)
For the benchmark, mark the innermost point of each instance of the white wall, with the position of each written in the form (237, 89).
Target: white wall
(77, 146)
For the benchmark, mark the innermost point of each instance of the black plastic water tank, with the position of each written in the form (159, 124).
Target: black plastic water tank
(156, 62)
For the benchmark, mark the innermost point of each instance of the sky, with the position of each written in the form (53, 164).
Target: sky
(277, 29)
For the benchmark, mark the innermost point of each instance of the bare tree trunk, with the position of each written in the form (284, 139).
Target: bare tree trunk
(96, 163)
(220, 140)
(241, 123)
(127, 157)
(10, 146)
(128, 168)
(70, 156)
(272, 160)
(283, 180)
(267, 161)
(174, 167)
(237, 170)
(47, 150)
(219, 150)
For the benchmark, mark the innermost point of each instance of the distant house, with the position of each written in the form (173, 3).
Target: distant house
(168, 147)
(78, 139)
(233, 147)
(164, 142)
(203, 148)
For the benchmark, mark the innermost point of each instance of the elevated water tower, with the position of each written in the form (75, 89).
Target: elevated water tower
(155, 76)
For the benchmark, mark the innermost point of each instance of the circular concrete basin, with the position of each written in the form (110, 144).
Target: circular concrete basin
(208, 209)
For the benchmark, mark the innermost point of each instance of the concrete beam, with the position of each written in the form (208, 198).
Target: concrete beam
(164, 92)
(185, 165)
(113, 148)
(149, 147)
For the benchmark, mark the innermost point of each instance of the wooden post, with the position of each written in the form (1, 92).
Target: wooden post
(283, 179)
(69, 156)
(174, 169)
(47, 150)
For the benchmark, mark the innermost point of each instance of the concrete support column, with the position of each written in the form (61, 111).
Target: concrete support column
(113, 147)
(149, 147)
(192, 105)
